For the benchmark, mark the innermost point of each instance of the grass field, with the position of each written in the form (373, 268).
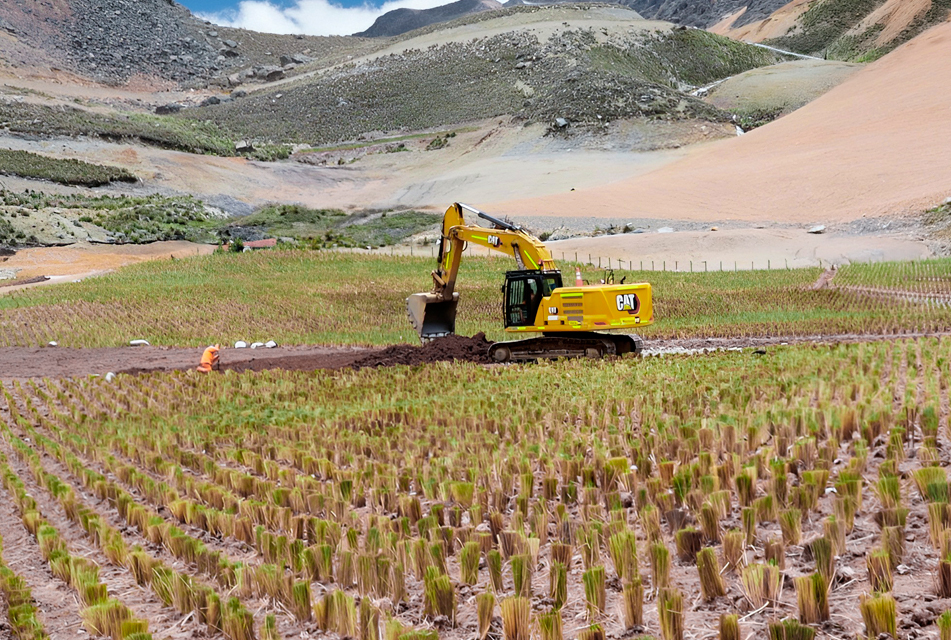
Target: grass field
(297, 297)
(576, 499)
(73, 172)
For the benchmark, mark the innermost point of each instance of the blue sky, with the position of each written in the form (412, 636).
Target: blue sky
(311, 17)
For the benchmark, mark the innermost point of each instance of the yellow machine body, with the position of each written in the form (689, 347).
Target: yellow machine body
(535, 298)
(602, 307)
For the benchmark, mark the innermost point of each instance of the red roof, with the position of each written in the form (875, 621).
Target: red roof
(261, 244)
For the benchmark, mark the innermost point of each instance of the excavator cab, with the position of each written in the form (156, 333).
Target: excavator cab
(524, 291)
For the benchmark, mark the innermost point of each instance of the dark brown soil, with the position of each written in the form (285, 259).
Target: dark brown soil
(18, 363)
(474, 349)
(58, 362)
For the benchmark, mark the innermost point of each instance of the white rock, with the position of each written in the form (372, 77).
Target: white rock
(270, 344)
(240, 344)
(110, 377)
(139, 343)
(665, 230)
(52, 343)
(255, 345)
(819, 228)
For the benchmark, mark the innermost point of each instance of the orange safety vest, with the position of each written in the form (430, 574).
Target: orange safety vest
(209, 359)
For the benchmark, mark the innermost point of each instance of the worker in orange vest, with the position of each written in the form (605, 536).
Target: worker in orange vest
(209, 359)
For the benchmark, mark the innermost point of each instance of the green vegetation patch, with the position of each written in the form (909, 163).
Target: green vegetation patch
(75, 172)
(155, 218)
(319, 228)
(823, 30)
(683, 57)
(333, 297)
(167, 132)
(10, 236)
(823, 23)
(573, 75)
(128, 219)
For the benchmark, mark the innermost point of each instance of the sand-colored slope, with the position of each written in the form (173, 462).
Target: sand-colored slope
(878, 144)
(776, 25)
(895, 15)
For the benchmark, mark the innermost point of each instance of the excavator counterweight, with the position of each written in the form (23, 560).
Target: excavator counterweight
(570, 319)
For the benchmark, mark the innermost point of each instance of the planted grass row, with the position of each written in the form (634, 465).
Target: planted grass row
(101, 614)
(264, 580)
(22, 614)
(628, 450)
(175, 589)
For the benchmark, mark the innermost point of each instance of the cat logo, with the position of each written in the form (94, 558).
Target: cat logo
(494, 241)
(628, 302)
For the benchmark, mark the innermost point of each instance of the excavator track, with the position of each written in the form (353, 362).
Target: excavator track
(566, 345)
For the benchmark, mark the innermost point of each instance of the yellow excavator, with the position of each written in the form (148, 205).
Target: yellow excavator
(570, 319)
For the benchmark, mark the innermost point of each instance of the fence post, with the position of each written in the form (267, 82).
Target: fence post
(642, 265)
(704, 266)
(576, 257)
(734, 267)
(599, 262)
(691, 266)
(676, 265)
(665, 265)
(652, 265)
(609, 263)
(769, 265)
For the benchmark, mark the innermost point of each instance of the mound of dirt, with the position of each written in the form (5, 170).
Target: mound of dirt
(474, 349)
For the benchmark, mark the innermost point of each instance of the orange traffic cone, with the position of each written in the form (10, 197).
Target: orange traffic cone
(578, 281)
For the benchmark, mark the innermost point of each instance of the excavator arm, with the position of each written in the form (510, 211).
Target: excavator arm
(434, 314)
(504, 237)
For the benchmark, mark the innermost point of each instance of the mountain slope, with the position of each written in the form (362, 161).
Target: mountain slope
(878, 144)
(115, 41)
(585, 64)
(399, 21)
(853, 30)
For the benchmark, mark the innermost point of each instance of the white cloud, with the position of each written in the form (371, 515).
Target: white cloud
(310, 17)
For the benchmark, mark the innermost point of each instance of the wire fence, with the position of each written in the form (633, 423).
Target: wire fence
(611, 262)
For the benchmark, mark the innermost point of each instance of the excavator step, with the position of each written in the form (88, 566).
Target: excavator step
(572, 345)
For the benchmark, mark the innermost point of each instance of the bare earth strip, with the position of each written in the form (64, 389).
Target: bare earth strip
(19, 363)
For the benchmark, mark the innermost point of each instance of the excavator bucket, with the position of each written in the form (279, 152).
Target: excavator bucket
(431, 316)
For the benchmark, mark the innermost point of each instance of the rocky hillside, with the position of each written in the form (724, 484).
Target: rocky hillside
(115, 41)
(399, 21)
(860, 30)
(577, 74)
(697, 13)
